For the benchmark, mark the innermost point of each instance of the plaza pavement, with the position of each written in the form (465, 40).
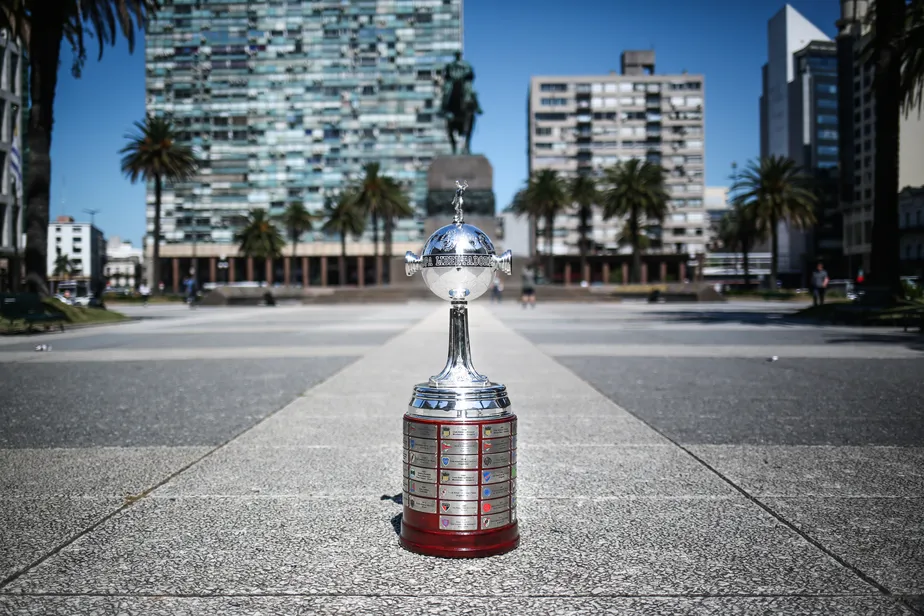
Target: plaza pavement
(247, 461)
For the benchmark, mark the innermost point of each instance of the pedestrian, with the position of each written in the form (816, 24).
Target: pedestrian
(528, 279)
(190, 284)
(145, 292)
(820, 282)
(497, 288)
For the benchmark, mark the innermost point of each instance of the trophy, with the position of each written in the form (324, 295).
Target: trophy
(459, 432)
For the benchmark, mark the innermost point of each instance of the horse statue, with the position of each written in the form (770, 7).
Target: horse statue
(460, 103)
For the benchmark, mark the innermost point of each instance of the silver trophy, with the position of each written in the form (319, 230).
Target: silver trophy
(459, 429)
(458, 264)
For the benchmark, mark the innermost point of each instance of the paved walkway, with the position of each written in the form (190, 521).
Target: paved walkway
(248, 462)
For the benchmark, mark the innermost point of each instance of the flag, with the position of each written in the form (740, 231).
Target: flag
(16, 160)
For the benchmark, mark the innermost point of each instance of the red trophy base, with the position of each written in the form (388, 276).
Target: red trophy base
(460, 487)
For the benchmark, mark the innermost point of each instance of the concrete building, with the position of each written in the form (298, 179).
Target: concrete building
(716, 205)
(12, 230)
(287, 101)
(84, 247)
(911, 224)
(123, 268)
(798, 115)
(858, 137)
(589, 122)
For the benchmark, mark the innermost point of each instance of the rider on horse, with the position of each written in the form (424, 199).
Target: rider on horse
(459, 103)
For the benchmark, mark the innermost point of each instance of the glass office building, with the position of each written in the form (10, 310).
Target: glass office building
(287, 100)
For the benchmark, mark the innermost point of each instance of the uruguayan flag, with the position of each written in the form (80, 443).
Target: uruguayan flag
(16, 161)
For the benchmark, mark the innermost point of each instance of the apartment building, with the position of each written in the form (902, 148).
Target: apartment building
(84, 247)
(12, 230)
(286, 101)
(583, 124)
(858, 137)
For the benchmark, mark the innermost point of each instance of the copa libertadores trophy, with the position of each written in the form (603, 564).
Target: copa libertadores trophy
(460, 443)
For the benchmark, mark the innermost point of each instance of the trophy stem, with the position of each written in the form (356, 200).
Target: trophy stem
(459, 371)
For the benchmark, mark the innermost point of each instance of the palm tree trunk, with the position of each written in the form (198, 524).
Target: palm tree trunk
(636, 246)
(584, 215)
(342, 264)
(375, 235)
(745, 258)
(155, 250)
(45, 54)
(884, 254)
(774, 251)
(388, 226)
(550, 257)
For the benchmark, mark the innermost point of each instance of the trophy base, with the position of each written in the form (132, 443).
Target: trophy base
(460, 545)
(460, 486)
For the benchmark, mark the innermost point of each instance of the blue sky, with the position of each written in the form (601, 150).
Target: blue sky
(506, 42)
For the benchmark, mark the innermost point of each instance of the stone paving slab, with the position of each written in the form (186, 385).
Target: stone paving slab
(176, 403)
(451, 606)
(820, 471)
(31, 527)
(207, 546)
(883, 537)
(99, 471)
(744, 351)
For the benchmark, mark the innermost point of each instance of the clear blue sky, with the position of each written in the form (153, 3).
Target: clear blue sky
(506, 41)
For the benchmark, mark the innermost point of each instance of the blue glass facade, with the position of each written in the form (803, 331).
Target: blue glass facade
(287, 100)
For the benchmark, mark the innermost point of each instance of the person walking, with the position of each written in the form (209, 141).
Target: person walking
(145, 292)
(528, 279)
(190, 284)
(820, 282)
(497, 288)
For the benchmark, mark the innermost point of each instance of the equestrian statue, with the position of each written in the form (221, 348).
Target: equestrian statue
(460, 102)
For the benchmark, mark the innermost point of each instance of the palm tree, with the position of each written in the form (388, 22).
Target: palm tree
(777, 191)
(344, 218)
(738, 230)
(519, 205)
(912, 56)
(583, 193)
(42, 27)
(152, 153)
(378, 196)
(259, 238)
(64, 267)
(296, 219)
(392, 210)
(635, 190)
(545, 198)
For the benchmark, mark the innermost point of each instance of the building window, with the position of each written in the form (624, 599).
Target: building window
(826, 89)
(826, 119)
(827, 134)
(553, 87)
(827, 150)
(543, 131)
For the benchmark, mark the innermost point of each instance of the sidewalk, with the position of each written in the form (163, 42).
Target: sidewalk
(296, 515)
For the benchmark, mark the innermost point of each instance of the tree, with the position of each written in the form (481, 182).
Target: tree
(259, 238)
(737, 230)
(635, 190)
(519, 205)
(392, 210)
(42, 27)
(583, 193)
(296, 220)
(777, 191)
(378, 196)
(64, 266)
(912, 57)
(344, 218)
(152, 154)
(545, 198)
